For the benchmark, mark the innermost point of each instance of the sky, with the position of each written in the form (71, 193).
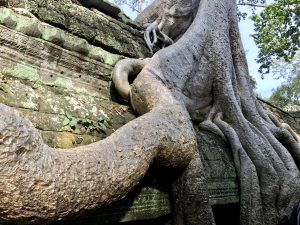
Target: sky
(265, 86)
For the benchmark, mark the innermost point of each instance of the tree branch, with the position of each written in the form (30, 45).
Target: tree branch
(253, 5)
(131, 6)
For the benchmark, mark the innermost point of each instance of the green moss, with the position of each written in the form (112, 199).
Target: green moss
(3, 100)
(67, 84)
(4, 14)
(104, 56)
(38, 85)
(22, 71)
(81, 46)
(29, 27)
(64, 82)
(109, 40)
(35, 28)
(48, 32)
(5, 88)
(29, 105)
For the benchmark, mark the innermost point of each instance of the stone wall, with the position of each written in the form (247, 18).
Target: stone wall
(56, 59)
(50, 74)
(292, 118)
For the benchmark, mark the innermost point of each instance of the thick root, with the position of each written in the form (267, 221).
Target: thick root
(191, 196)
(284, 126)
(250, 200)
(209, 126)
(292, 132)
(122, 71)
(41, 184)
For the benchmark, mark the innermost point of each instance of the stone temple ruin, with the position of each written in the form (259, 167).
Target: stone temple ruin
(56, 59)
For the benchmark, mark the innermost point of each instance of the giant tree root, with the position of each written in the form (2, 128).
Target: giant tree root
(204, 71)
(40, 184)
(207, 70)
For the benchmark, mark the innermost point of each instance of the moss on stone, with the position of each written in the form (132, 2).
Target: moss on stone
(29, 27)
(5, 88)
(52, 34)
(3, 100)
(22, 71)
(87, 24)
(35, 28)
(103, 56)
(30, 105)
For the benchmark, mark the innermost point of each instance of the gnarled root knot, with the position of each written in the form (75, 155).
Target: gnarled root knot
(123, 70)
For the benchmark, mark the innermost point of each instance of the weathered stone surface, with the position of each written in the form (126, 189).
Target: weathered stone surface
(35, 28)
(96, 27)
(292, 118)
(47, 76)
(219, 167)
(67, 139)
(144, 203)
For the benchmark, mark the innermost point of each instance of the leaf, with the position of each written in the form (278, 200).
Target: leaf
(73, 123)
(109, 122)
(68, 115)
(106, 124)
(66, 121)
(102, 126)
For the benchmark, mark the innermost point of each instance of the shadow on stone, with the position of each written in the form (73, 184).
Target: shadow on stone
(226, 214)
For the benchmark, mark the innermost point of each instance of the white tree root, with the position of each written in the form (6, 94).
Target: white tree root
(153, 35)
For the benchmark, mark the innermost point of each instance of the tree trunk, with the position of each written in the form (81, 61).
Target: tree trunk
(207, 70)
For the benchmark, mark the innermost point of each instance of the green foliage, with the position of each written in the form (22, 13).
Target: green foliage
(101, 125)
(277, 32)
(253, 4)
(287, 96)
(69, 120)
(276, 28)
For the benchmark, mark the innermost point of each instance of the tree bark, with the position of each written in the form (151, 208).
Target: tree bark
(207, 69)
(40, 184)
